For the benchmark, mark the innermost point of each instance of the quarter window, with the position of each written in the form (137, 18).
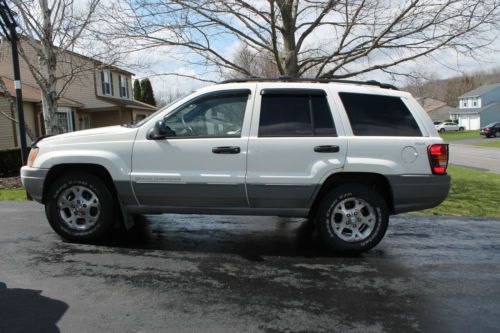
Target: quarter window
(216, 116)
(288, 114)
(376, 115)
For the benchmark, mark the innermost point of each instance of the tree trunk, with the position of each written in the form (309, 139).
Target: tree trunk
(48, 65)
(289, 60)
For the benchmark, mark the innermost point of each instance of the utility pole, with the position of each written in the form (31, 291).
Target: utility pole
(8, 25)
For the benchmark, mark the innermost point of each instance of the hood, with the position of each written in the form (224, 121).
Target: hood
(90, 135)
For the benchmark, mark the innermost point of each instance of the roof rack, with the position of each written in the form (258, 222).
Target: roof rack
(303, 79)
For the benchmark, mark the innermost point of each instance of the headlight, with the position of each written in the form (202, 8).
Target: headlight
(32, 156)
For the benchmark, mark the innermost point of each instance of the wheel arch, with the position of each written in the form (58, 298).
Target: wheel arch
(376, 181)
(58, 170)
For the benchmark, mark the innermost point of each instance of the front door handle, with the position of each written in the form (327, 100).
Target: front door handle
(226, 150)
(327, 149)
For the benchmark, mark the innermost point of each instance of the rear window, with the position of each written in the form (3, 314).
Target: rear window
(376, 115)
(287, 114)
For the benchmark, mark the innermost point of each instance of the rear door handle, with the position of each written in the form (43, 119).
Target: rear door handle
(226, 150)
(327, 149)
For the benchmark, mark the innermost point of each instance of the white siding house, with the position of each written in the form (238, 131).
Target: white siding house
(479, 107)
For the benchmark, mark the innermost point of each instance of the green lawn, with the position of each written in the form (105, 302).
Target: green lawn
(452, 136)
(473, 193)
(488, 144)
(13, 194)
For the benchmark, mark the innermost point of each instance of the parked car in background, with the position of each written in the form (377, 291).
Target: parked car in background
(491, 130)
(447, 126)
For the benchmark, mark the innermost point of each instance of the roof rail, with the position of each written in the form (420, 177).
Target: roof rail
(304, 79)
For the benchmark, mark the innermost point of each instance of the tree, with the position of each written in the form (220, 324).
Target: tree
(147, 95)
(51, 30)
(323, 38)
(137, 90)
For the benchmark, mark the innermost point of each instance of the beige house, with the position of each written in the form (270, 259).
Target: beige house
(99, 95)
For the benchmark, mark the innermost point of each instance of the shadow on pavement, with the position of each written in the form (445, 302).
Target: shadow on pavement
(247, 236)
(26, 310)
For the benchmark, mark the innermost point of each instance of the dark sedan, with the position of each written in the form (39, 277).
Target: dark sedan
(491, 130)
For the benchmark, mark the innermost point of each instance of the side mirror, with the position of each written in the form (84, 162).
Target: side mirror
(160, 131)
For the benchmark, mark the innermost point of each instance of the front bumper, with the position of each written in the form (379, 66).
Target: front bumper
(417, 192)
(33, 180)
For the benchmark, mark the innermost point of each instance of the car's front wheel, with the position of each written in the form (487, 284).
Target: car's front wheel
(352, 218)
(460, 129)
(80, 207)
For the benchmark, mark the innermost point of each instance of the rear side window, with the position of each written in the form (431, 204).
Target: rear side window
(376, 115)
(287, 114)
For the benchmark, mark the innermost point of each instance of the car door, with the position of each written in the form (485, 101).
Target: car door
(293, 146)
(204, 164)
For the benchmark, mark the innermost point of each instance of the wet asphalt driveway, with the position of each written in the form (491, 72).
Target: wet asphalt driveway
(224, 273)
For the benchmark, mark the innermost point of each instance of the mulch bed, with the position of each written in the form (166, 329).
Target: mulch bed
(10, 182)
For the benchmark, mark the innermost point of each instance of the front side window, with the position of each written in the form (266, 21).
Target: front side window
(216, 116)
(377, 115)
(288, 114)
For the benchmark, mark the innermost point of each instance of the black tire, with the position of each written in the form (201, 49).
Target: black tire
(442, 130)
(460, 129)
(343, 193)
(105, 219)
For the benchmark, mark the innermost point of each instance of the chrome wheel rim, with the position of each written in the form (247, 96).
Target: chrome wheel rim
(79, 207)
(353, 219)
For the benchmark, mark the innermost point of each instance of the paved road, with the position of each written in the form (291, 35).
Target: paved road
(475, 157)
(247, 274)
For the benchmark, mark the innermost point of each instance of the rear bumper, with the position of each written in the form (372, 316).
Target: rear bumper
(33, 180)
(417, 192)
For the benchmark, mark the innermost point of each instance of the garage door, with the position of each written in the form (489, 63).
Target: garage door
(470, 122)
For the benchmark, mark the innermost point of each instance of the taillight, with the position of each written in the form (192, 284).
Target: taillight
(438, 158)
(487, 129)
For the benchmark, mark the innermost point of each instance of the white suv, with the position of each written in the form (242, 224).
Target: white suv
(346, 154)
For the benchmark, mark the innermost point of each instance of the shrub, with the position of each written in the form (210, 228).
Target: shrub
(10, 161)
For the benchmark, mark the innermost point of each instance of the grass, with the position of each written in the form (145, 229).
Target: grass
(488, 144)
(13, 194)
(460, 135)
(473, 193)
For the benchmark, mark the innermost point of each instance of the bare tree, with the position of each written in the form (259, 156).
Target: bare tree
(325, 38)
(52, 30)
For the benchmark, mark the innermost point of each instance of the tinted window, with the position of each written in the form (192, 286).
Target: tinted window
(220, 116)
(295, 115)
(375, 115)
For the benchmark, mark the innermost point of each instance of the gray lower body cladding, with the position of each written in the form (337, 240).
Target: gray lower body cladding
(33, 181)
(417, 192)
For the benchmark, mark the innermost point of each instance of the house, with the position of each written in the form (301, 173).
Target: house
(436, 109)
(479, 107)
(98, 96)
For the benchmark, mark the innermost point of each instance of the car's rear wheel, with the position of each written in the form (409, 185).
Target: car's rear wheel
(80, 207)
(352, 218)
(460, 129)
(442, 130)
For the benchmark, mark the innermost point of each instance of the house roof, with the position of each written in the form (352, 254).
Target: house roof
(128, 103)
(34, 94)
(481, 90)
(475, 110)
(430, 104)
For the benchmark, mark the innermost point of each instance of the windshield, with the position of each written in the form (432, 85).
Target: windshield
(152, 115)
(491, 125)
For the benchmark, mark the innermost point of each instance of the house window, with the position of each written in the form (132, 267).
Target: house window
(474, 103)
(124, 86)
(464, 103)
(64, 120)
(107, 83)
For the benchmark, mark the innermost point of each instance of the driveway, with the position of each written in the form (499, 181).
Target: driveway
(487, 159)
(246, 274)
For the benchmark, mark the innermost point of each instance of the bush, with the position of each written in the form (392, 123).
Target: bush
(10, 161)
